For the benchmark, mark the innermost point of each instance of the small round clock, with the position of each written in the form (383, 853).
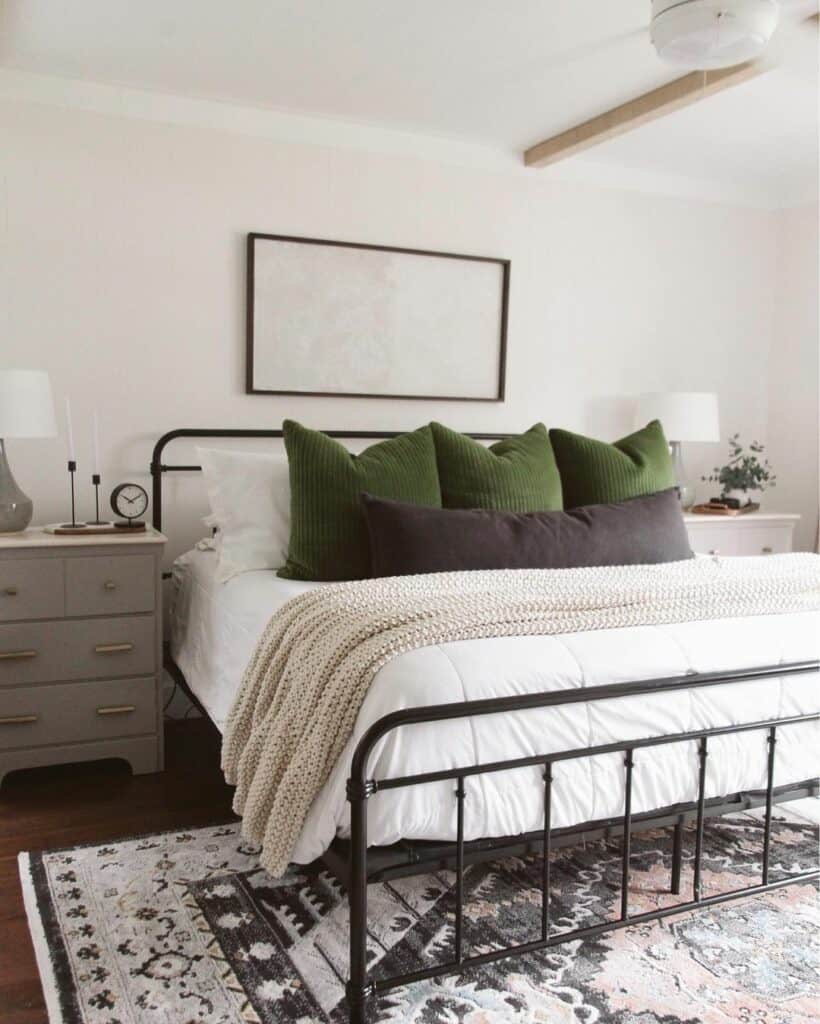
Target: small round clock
(129, 501)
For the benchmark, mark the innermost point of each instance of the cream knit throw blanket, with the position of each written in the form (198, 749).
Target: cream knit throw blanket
(312, 667)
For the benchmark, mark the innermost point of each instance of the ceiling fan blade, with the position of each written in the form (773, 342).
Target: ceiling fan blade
(802, 15)
(600, 46)
(564, 58)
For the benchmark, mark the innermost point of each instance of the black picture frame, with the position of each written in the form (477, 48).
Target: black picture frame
(250, 385)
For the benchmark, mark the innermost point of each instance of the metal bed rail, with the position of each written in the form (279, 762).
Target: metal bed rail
(159, 468)
(360, 788)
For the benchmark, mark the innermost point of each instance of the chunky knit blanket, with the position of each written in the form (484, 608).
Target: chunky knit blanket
(312, 667)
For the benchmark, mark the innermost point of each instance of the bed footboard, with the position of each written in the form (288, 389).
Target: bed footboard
(360, 787)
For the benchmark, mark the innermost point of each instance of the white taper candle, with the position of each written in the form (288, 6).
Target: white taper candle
(96, 439)
(69, 431)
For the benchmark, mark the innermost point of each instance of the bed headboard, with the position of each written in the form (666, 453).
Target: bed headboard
(158, 467)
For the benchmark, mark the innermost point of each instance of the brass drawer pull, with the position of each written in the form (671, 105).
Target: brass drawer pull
(113, 648)
(18, 719)
(110, 585)
(10, 591)
(119, 709)
(16, 655)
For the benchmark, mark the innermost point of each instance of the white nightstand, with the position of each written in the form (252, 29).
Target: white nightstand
(80, 649)
(755, 533)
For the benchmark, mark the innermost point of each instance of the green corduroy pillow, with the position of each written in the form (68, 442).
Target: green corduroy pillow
(594, 472)
(328, 532)
(518, 474)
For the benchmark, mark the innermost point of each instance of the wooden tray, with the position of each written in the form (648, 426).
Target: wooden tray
(717, 509)
(86, 529)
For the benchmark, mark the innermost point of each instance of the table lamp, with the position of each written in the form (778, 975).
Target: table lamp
(26, 410)
(684, 416)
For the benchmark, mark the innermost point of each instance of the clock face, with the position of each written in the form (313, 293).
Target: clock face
(129, 501)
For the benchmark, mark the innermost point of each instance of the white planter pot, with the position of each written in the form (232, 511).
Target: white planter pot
(742, 496)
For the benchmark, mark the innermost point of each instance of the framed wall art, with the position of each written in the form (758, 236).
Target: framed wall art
(342, 318)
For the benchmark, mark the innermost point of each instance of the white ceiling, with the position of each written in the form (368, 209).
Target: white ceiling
(507, 73)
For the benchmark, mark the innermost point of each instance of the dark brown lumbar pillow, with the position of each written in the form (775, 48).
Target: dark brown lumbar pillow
(407, 539)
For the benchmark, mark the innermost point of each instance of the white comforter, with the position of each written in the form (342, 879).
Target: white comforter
(215, 628)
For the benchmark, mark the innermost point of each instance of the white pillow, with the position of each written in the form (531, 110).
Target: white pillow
(249, 494)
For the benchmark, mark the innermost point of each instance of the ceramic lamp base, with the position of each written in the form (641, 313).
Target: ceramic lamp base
(16, 508)
(686, 491)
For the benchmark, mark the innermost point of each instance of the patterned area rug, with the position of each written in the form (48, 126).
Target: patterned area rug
(184, 926)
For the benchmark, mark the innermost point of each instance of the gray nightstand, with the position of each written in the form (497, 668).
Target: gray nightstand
(80, 649)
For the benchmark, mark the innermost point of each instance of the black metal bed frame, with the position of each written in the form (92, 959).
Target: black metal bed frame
(356, 864)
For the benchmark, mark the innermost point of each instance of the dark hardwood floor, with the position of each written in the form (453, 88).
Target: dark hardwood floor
(50, 808)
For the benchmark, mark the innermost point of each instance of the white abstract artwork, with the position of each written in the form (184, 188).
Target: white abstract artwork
(340, 318)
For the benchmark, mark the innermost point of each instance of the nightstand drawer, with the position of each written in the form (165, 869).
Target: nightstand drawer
(32, 652)
(69, 712)
(110, 585)
(31, 588)
(110, 647)
(765, 540)
(44, 652)
(706, 539)
(753, 533)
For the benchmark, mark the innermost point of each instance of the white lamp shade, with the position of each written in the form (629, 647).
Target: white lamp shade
(26, 404)
(684, 415)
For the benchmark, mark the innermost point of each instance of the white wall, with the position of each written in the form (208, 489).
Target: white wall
(122, 273)
(794, 416)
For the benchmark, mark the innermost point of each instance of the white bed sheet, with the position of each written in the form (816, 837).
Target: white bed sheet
(216, 625)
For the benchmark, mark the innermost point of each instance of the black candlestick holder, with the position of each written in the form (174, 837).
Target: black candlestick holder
(96, 521)
(73, 525)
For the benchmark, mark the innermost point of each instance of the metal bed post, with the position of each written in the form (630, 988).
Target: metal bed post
(677, 858)
(627, 840)
(767, 829)
(357, 990)
(459, 924)
(703, 753)
(547, 851)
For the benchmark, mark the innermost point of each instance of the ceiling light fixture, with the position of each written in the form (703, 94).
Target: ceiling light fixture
(703, 34)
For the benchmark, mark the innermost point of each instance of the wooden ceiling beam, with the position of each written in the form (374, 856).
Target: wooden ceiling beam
(682, 92)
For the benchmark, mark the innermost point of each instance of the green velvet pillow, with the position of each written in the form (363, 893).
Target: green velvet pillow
(328, 532)
(517, 474)
(594, 472)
